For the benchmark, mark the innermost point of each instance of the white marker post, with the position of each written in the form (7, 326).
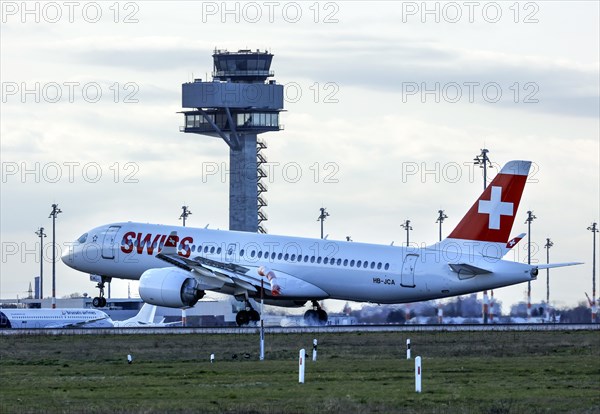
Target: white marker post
(408, 349)
(129, 359)
(418, 374)
(314, 349)
(262, 322)
(212, 358)
(301, 364)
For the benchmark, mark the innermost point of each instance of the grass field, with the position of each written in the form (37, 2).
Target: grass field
(463, 372)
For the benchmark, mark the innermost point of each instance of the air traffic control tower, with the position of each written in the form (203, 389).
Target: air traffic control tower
(237, 105)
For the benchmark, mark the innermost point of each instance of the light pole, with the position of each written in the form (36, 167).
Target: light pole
(594, 229)
(185, 213)
(41, 235)
(406, 225)
(440, 219)
(530, 218)
(324, 214)
(55, 212)
(547, 246)
(484, 162)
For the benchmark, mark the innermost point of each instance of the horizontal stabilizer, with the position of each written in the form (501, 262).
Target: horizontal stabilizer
(467, 269)
(551, 265)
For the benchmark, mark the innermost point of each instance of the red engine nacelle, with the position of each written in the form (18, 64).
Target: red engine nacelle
(170, 286)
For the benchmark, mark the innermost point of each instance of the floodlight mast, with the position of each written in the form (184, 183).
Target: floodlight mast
(440, 219)
(484, 161)
(55, 212)
(40, 233)
(324, 214)
(406, 225)
(530, 218)
(185, 214)
(547, 246)
(594, 229)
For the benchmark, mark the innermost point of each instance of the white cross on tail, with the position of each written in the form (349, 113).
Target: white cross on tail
(495, 207)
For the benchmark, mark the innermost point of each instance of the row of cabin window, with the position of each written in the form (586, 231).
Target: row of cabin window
(302, 258)
(294, 258)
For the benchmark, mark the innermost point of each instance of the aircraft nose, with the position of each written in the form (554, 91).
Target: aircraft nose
(68, 257)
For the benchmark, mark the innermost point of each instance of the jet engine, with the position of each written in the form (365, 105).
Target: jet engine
(170, 286)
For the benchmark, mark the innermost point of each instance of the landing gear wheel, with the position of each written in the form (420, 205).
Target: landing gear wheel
(316, 315)
(99, 302)
(242, 318)
(322, 316)
(254, 315)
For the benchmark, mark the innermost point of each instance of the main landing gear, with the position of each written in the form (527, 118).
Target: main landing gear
(100, 301)
(245, 316)
(316, 315)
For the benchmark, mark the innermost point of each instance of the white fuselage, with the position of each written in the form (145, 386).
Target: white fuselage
(54, 318)
(331, 269)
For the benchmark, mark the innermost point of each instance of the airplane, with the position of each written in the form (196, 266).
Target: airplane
(54, 318)
(176, 265)
(144, 319)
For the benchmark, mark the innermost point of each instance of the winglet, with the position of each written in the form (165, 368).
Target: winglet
(170, 246)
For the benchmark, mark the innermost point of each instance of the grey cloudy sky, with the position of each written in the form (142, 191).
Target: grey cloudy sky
(371, 144)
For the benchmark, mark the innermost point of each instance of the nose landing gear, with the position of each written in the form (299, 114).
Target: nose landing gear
(100, 301)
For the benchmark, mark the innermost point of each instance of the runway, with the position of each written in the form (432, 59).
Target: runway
(254, 330)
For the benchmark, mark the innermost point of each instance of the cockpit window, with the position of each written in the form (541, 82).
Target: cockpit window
(83, 238)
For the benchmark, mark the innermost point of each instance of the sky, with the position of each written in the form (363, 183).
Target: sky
(386, 105)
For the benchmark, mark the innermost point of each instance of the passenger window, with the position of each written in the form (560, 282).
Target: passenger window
(387, 266)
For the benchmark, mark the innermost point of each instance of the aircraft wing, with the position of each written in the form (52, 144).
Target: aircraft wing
(212, 273)
(81, 324)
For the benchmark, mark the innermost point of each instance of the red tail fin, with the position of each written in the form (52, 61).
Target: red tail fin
(492, 216)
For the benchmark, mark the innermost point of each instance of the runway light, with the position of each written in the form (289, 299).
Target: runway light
(212, 358)
(129, 359)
